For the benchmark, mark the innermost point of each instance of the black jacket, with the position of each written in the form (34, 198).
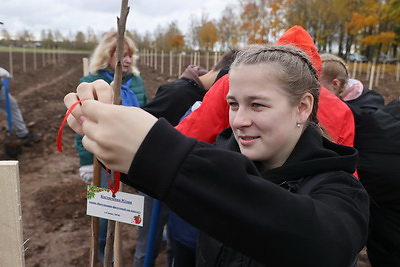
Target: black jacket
(378, 141)
(173, 99)
(223, 194)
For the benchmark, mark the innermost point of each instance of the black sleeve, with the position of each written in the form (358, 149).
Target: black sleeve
(377, 140)
(221, 193)
(173, 99)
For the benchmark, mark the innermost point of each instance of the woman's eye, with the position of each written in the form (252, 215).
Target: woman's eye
(257, 105)
(233, 104)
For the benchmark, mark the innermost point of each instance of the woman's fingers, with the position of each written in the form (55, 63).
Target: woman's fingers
(113, 133)
(73, 119)
(97, 90)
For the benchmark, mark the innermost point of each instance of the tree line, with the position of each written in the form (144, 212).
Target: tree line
(371, 27)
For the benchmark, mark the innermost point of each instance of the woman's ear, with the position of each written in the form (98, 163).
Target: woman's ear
(337, 87)
(305, 107)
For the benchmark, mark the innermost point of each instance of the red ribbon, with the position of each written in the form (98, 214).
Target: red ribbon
(59, 135)
(115, 189)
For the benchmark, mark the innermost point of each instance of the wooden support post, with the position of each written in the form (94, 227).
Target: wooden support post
(180, 65)
(368, 70)
(34, 58)
(371, 78)
(207, 60)
(155, 59)
(12, 244)
(23, 59)
(170, 63)
(162, 61)
(11, 60)
(354, 69)
(378, 73)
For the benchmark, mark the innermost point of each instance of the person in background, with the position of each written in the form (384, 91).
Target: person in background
(25, 136)
(172, 101)
(101, 67)
(271, 191)
(378, 143)
(212, 116)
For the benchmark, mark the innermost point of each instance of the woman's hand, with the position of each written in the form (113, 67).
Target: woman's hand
(97, 90)
(113, 133)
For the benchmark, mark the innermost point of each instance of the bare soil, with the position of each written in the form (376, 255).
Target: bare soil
(53, 197)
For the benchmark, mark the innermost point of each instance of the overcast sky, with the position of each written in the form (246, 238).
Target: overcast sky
(71, 16)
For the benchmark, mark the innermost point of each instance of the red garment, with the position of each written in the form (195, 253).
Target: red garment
(333, 114)
(208, 120)
(212, 116)
(336, 117)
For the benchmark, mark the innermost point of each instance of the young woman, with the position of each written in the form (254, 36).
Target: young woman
(271, 192)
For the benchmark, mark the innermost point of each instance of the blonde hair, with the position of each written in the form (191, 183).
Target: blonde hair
(334, 67)
(105, 49)
(297, 74)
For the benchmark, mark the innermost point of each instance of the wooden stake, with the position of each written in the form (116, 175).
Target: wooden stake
(368, 70)
(11, 60)
(11, 245)
(371, 78)
(155, 59)
(23, 59)
(207, 60)
(180, 64)
(170, 63)
(378, 73)
(34, 58)
(354, 69)
(162, 61)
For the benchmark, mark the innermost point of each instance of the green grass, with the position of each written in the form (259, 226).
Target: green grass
(40, 50)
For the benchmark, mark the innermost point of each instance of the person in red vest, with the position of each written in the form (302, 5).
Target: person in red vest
(211, 117)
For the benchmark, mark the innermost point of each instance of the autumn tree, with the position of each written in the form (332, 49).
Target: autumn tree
(178, 42)
(47, 38)
(192, 35)
(228, 28)
(91, 39)
(80, 40)
(375, 23)
(208, 36)
(6, 37)
(137, 38)
(262, 21)
(25, 37)
(174, 38)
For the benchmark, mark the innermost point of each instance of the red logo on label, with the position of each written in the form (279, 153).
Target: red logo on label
(137, 219)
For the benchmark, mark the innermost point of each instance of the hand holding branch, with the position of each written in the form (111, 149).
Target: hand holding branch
(113, 133)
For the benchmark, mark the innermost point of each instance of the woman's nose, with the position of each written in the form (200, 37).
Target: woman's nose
(241, 118)
(128, 59)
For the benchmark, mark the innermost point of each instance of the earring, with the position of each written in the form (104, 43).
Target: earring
(298, 125)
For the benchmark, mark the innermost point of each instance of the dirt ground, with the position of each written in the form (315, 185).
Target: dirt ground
(53, 197)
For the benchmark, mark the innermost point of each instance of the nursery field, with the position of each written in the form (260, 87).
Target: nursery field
(53, 197)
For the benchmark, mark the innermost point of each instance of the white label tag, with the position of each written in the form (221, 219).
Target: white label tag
(124, 207)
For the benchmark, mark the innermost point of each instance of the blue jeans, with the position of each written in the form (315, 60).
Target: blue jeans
(16, 117)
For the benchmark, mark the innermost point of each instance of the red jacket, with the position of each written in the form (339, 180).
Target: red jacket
(211, 117)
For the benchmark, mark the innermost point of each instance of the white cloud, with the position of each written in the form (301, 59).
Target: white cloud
(72, 16)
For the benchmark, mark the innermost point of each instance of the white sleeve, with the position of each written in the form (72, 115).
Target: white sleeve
(4, 74)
